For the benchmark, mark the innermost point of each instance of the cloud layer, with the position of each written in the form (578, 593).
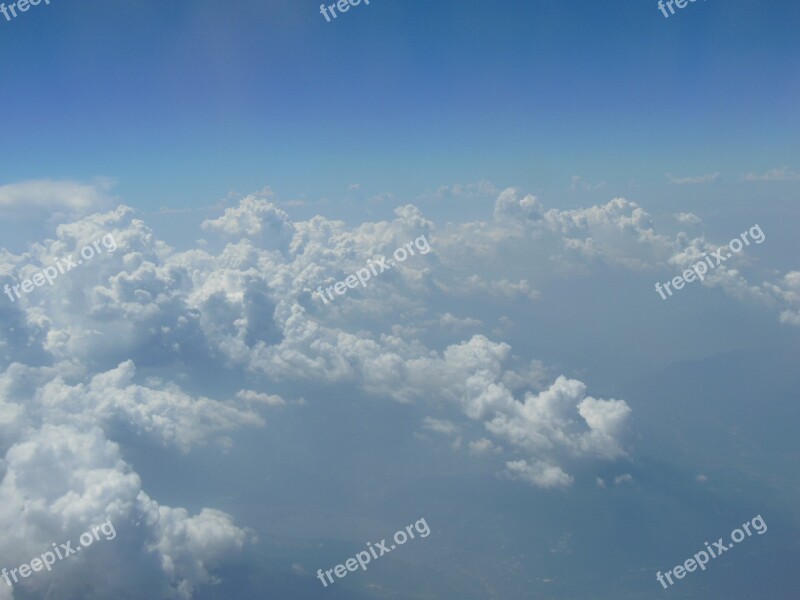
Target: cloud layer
(113, 348)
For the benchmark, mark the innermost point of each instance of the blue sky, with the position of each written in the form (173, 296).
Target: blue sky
(566, 432)
(181, 105)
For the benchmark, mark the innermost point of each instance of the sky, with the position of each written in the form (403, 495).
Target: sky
(178, 104)
(520, 279)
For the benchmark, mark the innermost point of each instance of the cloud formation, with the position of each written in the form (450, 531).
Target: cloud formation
(778, 174)
(694, 180)
(116, 347)
(43, 197)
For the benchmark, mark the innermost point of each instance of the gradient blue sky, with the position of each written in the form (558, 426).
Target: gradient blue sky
(182, 103)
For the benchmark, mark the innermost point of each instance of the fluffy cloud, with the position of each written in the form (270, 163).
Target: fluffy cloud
(787, 292)
(267, 399)
(61, 481)
(687, 218)
(117, 344)
(538, 473)
(256, 219)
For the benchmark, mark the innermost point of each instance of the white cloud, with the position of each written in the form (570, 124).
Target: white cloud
(481, 447)
(579, 184)
(128, 336)
(780, 174)
(469, 191)
(58, 199)
(450, 321)
(687, 218)
(539, 474)
(255, 218)
(61, 481)
(267, 399)
(440, 425)
(160, 411)
(698, 179)
(246, 309)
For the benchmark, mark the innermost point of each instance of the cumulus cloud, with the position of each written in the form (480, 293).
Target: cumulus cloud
(787, 293)
(539, 474)
(546, 422)
(60, 481)
(165, 412)
(249, 307)
(687, 218)
(255, 218)
(115, 346)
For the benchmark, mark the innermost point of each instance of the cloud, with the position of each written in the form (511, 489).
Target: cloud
(266, 399)
(787, 292)
(440, 426)
(255, 218)
(56, 199)
(130, 332)
(780, 174)
(475, 286)
(159, 411)
(698, 179)
(482, 446)
(61, 481)
(687, 218)
(469, 191)
(579, 184)
(546, 422)
(539, 474)
(449, 321)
